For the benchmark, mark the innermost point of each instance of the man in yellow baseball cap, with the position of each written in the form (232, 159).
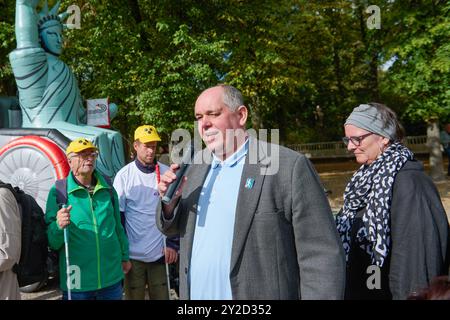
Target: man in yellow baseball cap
(91, 218)
(136, 184)
(81, 155)
(79, 145)
(146, 134)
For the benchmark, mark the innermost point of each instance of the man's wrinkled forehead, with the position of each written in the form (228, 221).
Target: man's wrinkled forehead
(209, 106)
(84, 152)
(210, 96)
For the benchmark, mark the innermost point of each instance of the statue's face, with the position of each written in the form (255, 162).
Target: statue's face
(52, 39)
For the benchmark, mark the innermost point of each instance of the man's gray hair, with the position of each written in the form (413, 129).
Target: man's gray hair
(232, 97)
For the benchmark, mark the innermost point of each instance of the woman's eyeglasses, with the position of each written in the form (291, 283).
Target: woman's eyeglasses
(355, 140)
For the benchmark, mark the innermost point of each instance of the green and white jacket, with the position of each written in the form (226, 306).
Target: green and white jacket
(97, 241)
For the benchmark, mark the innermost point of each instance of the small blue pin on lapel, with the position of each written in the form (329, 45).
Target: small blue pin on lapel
(249, 183)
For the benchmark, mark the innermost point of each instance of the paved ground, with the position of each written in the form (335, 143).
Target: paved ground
(334, 177)
(51, 292)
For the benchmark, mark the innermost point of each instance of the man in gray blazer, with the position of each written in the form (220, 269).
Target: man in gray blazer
(249, 231)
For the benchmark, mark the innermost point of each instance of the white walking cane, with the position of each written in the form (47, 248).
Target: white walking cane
(167, 268)
(66, 248)
(158, 179)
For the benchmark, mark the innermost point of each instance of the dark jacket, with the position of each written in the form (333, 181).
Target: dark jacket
(419, 234)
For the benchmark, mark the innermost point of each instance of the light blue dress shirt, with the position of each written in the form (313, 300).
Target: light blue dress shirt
(211, 250)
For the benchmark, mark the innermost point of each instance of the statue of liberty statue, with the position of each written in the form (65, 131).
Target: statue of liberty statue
(48, 91)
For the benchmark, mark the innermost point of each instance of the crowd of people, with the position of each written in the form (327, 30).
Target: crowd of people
(250, 220)
(240, 229)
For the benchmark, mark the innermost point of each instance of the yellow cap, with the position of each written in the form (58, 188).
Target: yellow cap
(146, 134)
(79, 145)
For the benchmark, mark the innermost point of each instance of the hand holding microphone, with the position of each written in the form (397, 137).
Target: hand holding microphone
(172, 181)
(168, 179)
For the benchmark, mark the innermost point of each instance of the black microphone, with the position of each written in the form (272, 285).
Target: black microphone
(188, 157)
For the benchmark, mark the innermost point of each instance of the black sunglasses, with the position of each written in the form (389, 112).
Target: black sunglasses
(355, 140)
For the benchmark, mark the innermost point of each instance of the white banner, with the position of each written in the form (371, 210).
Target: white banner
(98, 112)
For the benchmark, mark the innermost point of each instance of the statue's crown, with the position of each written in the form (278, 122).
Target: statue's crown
(46, 15)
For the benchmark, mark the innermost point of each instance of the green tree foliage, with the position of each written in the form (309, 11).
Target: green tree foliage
(7, 44)
(147, 57)
(419, 41)
(153, 58)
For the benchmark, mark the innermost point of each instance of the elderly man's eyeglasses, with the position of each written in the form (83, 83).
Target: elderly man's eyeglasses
(356, 140)
(86, 155)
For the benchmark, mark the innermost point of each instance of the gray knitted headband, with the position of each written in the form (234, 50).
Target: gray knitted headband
(368, 118)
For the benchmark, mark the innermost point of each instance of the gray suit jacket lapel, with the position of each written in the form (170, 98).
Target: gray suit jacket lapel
(247, 201)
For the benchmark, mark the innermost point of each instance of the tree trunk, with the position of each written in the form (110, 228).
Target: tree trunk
(136, 13)
(255, 114)
(372, 49)
(338, 74)
(373, 75)
(434, 145)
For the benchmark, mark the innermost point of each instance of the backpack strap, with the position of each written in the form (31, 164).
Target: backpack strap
(108, 179)
(61, 192)
(111, 194)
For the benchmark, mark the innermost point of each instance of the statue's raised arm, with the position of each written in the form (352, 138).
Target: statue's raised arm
(26, 24)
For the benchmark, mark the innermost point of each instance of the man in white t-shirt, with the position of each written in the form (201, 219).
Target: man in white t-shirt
(137, 187)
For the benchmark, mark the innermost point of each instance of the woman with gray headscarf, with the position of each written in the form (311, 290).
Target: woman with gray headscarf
(393, 226)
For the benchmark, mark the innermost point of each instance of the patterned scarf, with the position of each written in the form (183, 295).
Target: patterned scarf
(371, 188)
